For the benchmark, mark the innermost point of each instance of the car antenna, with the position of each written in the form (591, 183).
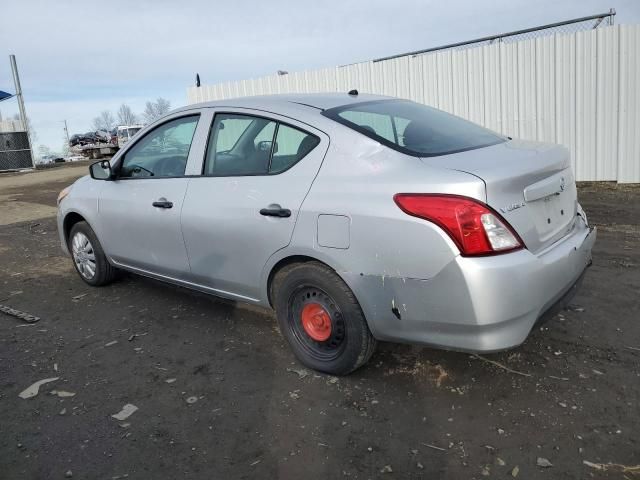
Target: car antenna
(353, 92)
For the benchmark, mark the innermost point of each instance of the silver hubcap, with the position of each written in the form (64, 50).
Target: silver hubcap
(83, 255)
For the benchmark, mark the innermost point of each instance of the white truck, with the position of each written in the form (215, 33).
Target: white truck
(126, 133)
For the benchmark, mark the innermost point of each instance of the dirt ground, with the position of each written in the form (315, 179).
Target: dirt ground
(220, 396)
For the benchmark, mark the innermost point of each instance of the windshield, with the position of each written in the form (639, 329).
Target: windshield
(413, 128)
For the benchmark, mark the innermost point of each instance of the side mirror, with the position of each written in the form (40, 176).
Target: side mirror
(101, 170)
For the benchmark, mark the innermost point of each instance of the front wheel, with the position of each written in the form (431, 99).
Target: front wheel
(88, 257)
(321, 319)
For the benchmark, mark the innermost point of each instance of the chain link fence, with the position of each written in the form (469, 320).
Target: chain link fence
(15, 144)
(14, 151)
(575, 26)
(569, 26)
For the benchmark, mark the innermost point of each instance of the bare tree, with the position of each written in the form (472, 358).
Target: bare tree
(149, 113)
(126, 115)
(162, 106)
(155, 110)
(104, 121)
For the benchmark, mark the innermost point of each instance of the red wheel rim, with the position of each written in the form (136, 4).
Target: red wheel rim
(316, 322)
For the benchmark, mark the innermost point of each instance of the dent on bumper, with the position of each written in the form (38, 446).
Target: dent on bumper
(475, 304)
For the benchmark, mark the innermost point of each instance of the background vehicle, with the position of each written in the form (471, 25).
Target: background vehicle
(101, 143)
(358, 217)
(46, 159)
(82, 139)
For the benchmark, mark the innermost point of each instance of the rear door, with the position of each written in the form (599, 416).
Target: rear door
(256, 173)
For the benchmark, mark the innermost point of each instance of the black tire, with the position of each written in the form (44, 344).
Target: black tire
(104, 272)
(350, 344)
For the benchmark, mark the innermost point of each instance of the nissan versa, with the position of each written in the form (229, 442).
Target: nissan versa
(356, 217)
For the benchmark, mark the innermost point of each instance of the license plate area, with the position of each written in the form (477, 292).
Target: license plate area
(552, 203)
(554, 215)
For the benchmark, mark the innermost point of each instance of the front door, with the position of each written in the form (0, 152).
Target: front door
(140, 210)
(256, 174)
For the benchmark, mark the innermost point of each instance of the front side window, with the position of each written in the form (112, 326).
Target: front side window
(247, 145)
(163, 152)
(413, 128)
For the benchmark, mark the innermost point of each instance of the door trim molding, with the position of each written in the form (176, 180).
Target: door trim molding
(184, 283)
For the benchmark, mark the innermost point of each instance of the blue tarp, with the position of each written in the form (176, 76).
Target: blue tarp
(5, 95)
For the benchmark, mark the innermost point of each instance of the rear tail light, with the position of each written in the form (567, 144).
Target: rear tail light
(473, 226)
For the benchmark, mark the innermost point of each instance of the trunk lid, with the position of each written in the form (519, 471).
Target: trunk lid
(530, 184)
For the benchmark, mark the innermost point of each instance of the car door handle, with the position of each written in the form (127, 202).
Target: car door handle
(162, 203)
(275, 211)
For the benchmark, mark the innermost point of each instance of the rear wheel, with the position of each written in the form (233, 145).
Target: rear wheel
(88, 257)
(321, 319)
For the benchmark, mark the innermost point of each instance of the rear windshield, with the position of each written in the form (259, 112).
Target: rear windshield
(413, 128)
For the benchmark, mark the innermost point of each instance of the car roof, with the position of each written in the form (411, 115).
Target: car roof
(319, 101)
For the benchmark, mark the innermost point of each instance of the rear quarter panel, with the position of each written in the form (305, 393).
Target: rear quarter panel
(358, 180)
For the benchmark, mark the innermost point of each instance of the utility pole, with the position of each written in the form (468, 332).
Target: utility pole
(66, 130)
(23, 112)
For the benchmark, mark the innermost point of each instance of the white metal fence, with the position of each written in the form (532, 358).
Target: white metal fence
(581, 89)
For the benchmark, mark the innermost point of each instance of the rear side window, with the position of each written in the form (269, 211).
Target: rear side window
(248, 145)
(413, 128)
(290, 147)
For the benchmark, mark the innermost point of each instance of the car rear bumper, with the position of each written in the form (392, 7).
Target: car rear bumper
(481, 304)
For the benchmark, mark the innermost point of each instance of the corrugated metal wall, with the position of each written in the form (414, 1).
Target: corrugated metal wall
(578, 89)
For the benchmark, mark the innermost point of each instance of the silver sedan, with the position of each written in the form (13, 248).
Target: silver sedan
(356, 217)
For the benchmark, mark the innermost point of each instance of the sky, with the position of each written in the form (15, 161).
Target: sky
(78, 58)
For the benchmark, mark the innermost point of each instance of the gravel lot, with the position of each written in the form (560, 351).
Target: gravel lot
(219, 395)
